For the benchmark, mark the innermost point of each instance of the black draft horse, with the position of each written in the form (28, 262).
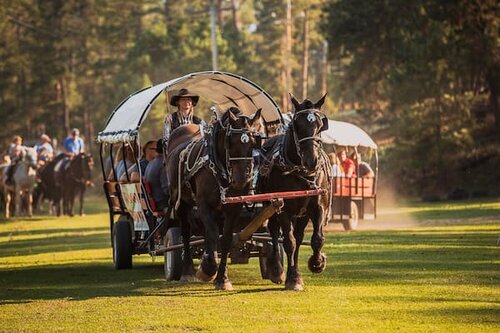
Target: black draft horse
(201, 173)
(296, 161)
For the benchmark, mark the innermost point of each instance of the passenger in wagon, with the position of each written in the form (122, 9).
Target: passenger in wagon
(156, 177)
(148, 154)
(364, 169)
(336, 166)
(123, 163)
(347, 164)
(185, 102)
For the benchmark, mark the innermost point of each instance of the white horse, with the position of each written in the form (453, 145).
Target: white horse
(24, 179)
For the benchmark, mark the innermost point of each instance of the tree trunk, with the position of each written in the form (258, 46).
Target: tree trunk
(324, 69)
(220, 18)
(236, 19)
(492, 79)
(442, 179)
(284, 91)
(61, 101)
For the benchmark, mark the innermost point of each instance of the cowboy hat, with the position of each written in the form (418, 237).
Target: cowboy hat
(184, 93)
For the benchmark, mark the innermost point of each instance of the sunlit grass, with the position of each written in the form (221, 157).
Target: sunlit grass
(56, 274)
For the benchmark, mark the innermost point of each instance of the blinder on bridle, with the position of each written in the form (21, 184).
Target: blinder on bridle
(245, 135)
(313, 115)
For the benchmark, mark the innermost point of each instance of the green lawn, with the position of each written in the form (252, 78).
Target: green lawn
(56, 275)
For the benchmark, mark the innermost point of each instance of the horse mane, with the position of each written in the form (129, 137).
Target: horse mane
(234, 110)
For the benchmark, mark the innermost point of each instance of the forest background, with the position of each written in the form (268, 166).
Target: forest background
(421, 77)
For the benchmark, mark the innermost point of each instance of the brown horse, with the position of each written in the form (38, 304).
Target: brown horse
(295, 161)
(201, 172)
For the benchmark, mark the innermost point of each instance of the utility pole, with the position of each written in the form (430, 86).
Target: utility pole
(288, 66)
(305, 54)
(215, 55)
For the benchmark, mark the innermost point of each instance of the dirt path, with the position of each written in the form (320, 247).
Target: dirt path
(389, 222)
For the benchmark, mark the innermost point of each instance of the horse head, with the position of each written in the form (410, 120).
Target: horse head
(236, 140)
(30, 157)
(81, 168)
(306, 125)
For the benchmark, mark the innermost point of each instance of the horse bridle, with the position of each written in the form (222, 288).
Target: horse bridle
(314, 115)
(81, 179)
(245, 135)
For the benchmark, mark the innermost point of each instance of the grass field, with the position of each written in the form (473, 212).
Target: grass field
(441, 275)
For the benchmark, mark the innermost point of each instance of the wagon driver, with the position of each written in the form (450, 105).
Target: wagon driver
(185, 102)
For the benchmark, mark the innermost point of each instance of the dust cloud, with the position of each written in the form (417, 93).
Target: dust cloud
(392, 213)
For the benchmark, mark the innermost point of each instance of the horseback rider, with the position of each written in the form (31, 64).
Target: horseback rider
(16, 152)
(185, 102)
(44, 149)
(73, 145)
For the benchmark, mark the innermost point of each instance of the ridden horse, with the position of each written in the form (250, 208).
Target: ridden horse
(48, 188)
(23, 183)
(73, 180)
(295, 161)
(201, 172)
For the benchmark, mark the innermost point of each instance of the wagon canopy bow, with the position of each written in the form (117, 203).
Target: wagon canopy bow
(223, 89)
(345, 134)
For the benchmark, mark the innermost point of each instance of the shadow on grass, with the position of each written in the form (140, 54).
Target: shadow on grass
(68, 242)
(414, 258)
(81, 282)
(15, 233)
(408, 258)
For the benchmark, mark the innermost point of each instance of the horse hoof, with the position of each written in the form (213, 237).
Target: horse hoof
(226, 285)
(294, 285)
(188, 278)
(202, 276)
(315, 265)
(277, 279)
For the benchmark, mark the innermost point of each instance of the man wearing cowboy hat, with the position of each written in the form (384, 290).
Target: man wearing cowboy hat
(185, 103)
(44, 149)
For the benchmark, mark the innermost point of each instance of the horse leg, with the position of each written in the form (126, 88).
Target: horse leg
(30, 202)
(57, 204)
(17, 200)
(208, 266)
(221, 281)
(317, 262)
(64, 201)
(71, 201)
(188, 271)
(82, 193)
(293, 280)
(274, 266)
(8, 199)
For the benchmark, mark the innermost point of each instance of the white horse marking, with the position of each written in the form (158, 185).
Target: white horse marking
(311, 117)
(244, 138)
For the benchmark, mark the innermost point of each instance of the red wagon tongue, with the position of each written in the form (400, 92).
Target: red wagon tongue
(273, 196)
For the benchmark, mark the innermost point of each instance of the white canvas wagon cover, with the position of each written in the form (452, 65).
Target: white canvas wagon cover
(346, 134)
(221, 88)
